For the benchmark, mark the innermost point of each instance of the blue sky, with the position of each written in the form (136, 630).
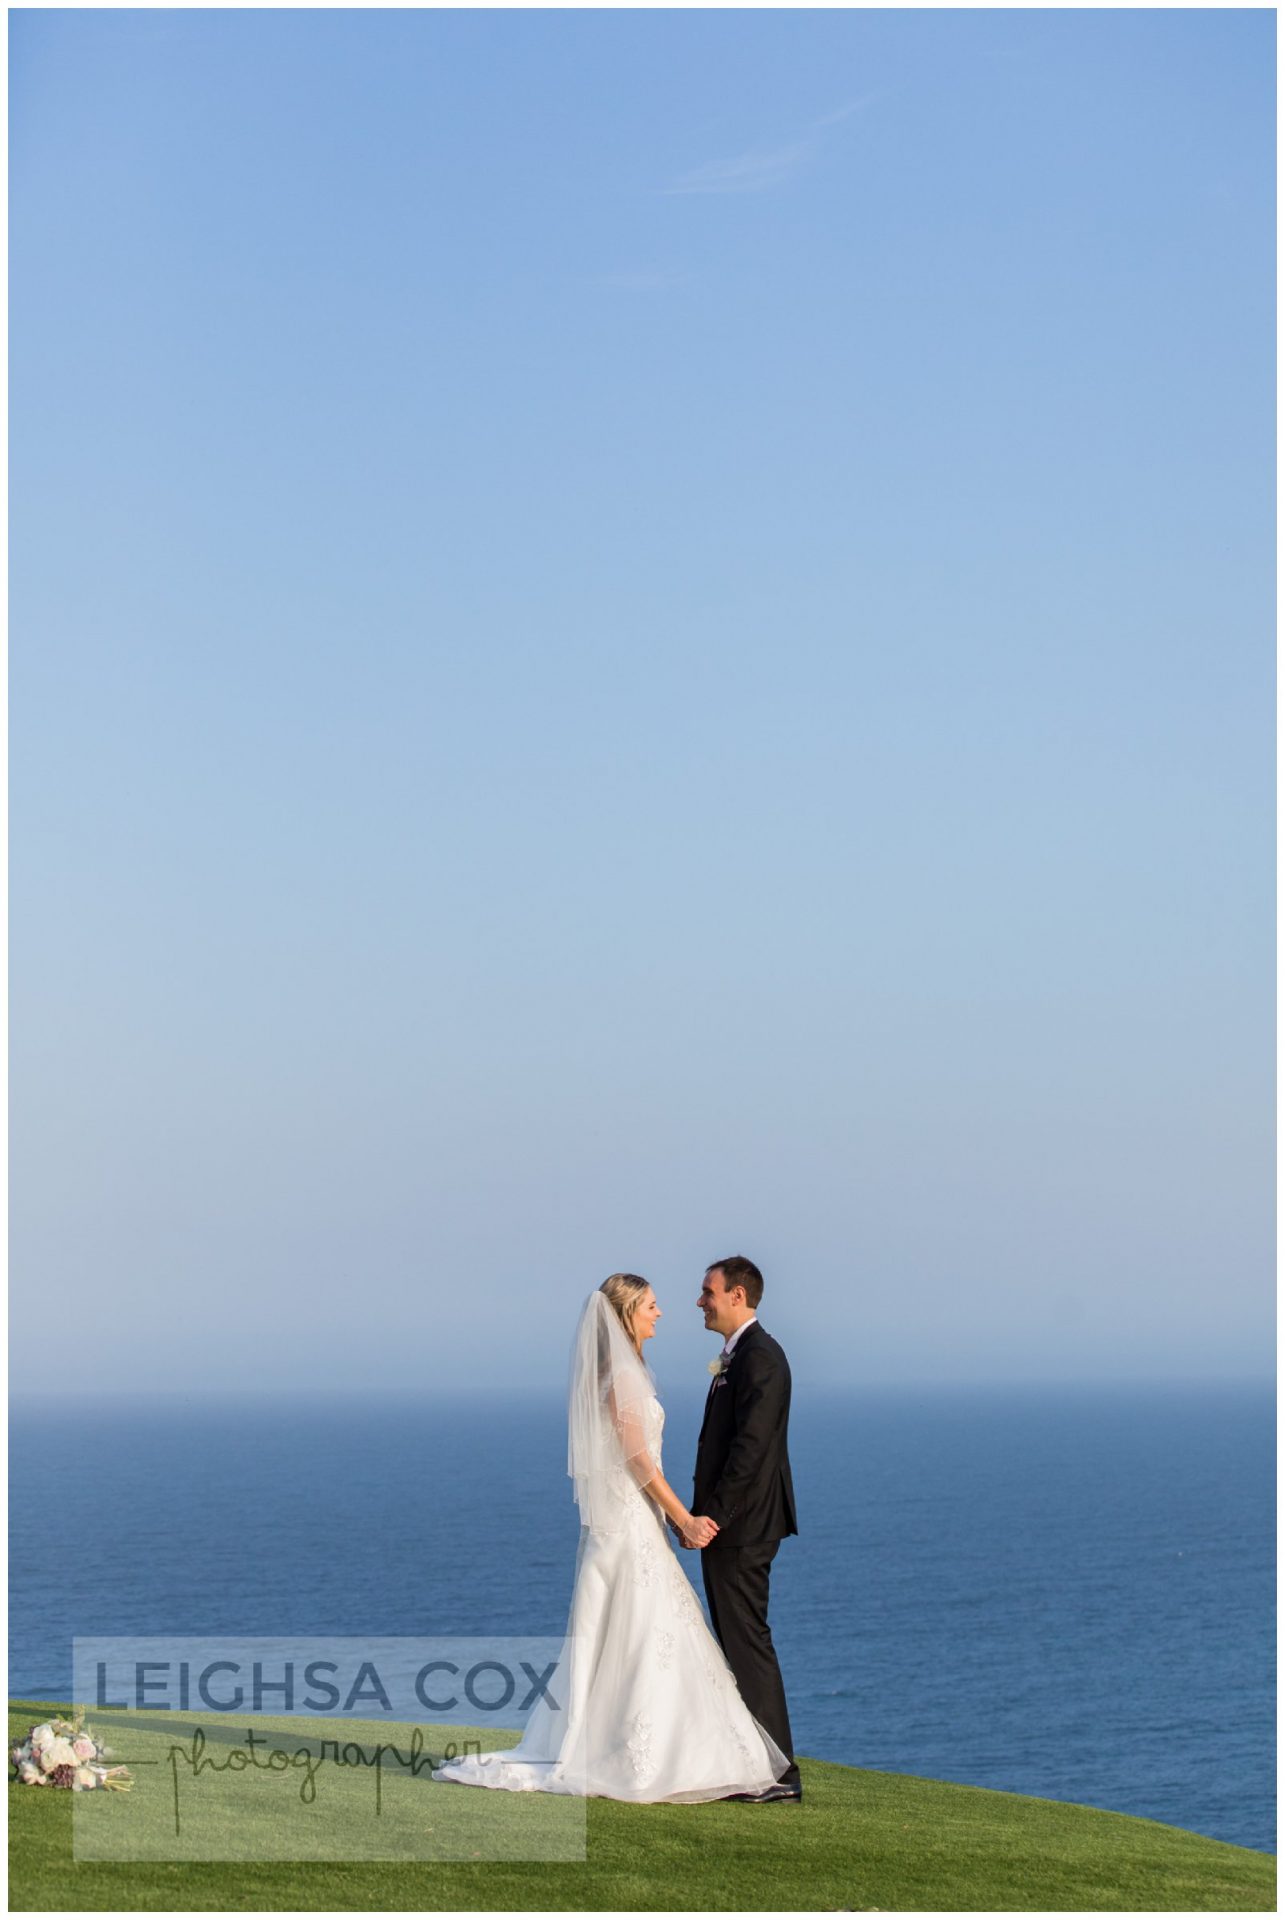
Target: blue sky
(640, 635)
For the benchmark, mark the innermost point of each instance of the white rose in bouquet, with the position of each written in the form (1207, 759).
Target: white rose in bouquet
(85, 1777)
(59, 1753)
(30, 1775)
(42, 1735)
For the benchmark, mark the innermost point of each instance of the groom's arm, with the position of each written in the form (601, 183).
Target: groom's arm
(758, 1405)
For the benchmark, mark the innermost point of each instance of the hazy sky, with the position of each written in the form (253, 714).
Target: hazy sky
(640, 635)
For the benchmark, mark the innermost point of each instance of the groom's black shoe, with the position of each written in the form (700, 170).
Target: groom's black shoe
(783, 1790)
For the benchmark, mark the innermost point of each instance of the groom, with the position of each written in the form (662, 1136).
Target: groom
(743, 1485)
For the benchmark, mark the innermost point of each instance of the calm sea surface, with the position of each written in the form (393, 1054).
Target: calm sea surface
(1063, 1592)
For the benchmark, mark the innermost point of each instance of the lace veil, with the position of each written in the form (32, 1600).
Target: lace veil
(611, 1388)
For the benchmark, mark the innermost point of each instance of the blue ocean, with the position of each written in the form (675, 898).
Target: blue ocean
(1064, 1591)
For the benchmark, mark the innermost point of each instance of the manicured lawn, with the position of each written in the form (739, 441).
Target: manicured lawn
(859, 1840)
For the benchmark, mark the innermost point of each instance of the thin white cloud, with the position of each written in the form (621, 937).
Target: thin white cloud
(747, 173)
(760, 168)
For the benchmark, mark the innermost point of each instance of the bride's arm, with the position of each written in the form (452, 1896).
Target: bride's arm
(653, 1482)
(699, 1531)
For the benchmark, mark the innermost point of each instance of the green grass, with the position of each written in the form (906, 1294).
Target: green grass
(858, 1841)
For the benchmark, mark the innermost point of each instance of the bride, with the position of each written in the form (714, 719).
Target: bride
(647, 1708)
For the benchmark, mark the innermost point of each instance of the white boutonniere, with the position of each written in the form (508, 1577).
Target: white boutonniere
(720, 1365)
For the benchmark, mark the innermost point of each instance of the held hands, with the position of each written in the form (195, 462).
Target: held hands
(698, 1531)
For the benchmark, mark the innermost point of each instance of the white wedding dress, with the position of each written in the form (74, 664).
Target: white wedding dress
(648, 1708)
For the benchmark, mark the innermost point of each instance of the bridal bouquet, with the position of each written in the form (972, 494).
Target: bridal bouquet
(64, 1753)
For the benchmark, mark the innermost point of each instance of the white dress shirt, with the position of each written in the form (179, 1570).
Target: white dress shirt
(732, 1338)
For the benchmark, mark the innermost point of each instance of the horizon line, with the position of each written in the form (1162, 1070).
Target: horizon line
(221, 1390)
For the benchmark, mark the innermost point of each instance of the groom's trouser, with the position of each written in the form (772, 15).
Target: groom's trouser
(736, 1586)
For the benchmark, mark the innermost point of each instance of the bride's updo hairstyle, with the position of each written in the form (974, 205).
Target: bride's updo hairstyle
(625, 1291)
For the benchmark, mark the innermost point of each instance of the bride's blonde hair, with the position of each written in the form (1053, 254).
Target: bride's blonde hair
(625, 1291)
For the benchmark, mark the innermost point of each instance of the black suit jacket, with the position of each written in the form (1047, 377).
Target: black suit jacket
(742, 1463)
